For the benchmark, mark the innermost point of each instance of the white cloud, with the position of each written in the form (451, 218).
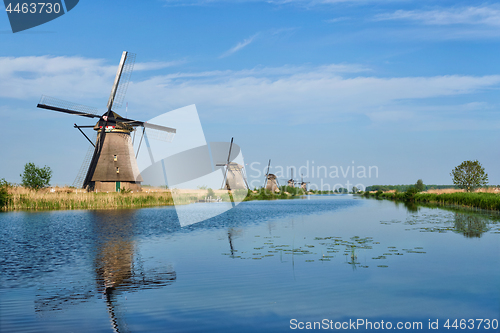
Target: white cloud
(279, 95)
(316, 95)
(274, 2)
(239, 46)
(484, 15)
(65, 77)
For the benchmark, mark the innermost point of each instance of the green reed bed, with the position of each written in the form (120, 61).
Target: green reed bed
(32, 200)
(263, 194)
(490, 201)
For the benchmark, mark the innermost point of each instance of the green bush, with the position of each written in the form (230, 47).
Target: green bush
(410, 193)
(34, 177)
(4, 193)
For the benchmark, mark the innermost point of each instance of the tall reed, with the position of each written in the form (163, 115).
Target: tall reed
(26, 199)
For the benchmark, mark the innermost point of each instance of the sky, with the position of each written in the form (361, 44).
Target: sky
(406, 89)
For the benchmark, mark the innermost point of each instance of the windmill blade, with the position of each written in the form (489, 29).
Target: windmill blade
(95, 158)
(80, 177)
(227, 165)
(161, 133)
(225, 175)
(229, 155)
(267, 173)
(54, 104)
(121, 80)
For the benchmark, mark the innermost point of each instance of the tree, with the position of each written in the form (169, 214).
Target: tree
(469, 175)
(4, 193)
(34, 177)
(420, 185)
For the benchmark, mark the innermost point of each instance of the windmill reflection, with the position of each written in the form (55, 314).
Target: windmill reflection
(232, 233)
(471, 226)
(117, 267)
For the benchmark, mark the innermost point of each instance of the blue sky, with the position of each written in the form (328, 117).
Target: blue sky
(411, 87)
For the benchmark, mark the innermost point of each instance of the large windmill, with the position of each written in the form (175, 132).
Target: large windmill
(113, 164)
(271, 181)
(234, 179)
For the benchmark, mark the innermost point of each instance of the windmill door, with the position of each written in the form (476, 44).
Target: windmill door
(117, 186)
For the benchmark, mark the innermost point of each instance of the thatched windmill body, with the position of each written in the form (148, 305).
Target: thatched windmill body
(113, 165)
(303, 184)
(234, 179)
(271, 181)
(291, 182)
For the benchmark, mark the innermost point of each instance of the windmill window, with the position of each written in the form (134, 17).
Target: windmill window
(115, 158)
(117, 170)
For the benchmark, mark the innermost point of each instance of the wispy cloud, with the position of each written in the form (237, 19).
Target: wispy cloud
(290, 94)
(338, 19)
(66, 77)
(483, 15)
(239, 46)
(274, 2)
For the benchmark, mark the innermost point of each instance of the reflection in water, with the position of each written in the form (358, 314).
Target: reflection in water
(232, 232)
(468, 223)
(117, 265)
(471, 225)
(411, 207)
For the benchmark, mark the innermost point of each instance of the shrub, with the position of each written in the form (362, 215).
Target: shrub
(34, 177)
(4, 193)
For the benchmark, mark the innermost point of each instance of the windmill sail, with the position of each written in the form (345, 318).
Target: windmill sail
(80, 177)
(121, 80)
(55, 104)
(118, 163)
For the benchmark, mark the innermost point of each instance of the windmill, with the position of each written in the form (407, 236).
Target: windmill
(291, 181)
(303, 184)
(113, 164)
(234, 179)
(271, 181)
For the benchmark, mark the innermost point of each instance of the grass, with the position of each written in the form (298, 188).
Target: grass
(482, 200)
(263, 194)
(25, 199)
(20, 198)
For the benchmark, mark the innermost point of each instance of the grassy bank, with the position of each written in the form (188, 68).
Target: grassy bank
(490, 201)
(20, 198)
(285, 193)
(24, 199)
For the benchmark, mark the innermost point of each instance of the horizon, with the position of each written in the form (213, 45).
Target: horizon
(407, 87)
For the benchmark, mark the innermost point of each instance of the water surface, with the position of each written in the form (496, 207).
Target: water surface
(253, 268)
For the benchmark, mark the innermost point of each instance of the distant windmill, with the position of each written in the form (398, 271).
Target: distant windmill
(303, 184)
(271, 181)
(291, 181)
(233, 174)
(113, 164)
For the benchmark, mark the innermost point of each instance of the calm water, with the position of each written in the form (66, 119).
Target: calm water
(254, 268)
